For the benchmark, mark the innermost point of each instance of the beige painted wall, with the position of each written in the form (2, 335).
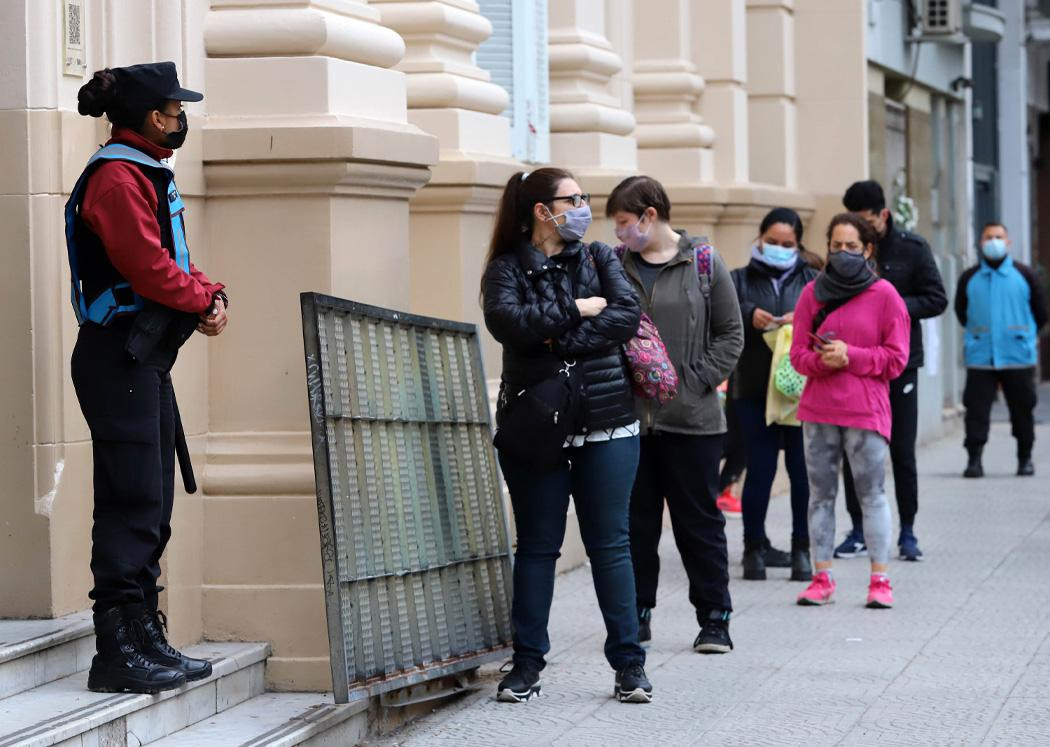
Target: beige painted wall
(363, 182)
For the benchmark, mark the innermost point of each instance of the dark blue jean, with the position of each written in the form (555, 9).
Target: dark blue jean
(599, 478)
(763, 446)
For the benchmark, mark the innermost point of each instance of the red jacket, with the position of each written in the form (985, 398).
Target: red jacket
(120, 207)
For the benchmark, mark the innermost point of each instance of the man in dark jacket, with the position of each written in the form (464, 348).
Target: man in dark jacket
(905, 260)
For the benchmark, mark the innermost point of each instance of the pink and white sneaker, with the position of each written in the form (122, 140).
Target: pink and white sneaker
(880, 593)
(819, 591)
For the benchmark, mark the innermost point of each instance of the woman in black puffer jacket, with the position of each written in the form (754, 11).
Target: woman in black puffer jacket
(559, 306)
(768, 288)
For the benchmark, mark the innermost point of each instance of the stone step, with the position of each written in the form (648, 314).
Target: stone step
(35, 652)
(279, 720)
(65, 712)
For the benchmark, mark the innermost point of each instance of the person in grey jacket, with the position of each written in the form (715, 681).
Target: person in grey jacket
(690, 296)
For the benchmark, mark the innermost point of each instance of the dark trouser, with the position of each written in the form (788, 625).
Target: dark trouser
(128, 408)
(1019, 390)
(684, 470)
(599, 477)
(763, 448)
(904, 407)
(733, 449)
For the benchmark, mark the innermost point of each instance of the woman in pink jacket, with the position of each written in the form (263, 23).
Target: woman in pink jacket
(851, 339)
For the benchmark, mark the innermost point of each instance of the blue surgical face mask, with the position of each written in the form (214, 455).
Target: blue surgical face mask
(993, 249)
(577, 221)
(632, 237)
(779, 256)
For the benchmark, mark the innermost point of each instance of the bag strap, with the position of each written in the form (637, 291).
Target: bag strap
(825, 311)
(703, 251)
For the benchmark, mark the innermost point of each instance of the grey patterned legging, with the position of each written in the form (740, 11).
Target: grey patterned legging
(866, 451)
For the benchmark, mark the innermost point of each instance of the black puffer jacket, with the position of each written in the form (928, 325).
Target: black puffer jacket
(530, 308)
(755, 290)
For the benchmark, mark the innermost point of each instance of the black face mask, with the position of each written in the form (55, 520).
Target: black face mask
(174, 140)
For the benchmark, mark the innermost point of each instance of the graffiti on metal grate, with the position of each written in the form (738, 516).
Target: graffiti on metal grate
(414, 540)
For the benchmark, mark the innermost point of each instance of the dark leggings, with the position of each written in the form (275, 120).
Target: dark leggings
(763, 446)
(733, 451)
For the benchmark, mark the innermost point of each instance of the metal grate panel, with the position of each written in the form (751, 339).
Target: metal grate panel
(414, 540)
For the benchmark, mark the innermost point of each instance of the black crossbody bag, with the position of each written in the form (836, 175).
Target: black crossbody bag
(534, 420)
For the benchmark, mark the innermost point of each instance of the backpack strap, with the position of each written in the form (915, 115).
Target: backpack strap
(703, 249)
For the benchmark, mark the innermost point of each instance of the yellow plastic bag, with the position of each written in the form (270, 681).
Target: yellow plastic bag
(780, 408)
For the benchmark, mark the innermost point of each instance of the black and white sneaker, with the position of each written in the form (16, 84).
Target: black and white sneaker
(520, 684)
(645, 630)
(632, 686)
(714, 634)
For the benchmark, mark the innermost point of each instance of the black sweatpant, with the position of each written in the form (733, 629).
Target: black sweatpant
(1019, 390)
(734, 451)
(129, 409)
(904, 406)
(684, 470)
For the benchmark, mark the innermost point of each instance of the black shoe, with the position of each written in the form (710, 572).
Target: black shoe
(645, 617)
(1025, 468)
(155, 645)
(714, 634)
(754, 562)
(632, 686)
(801, 570)
(775, 558)
(520, 684)
(973, 465)
(120, 666)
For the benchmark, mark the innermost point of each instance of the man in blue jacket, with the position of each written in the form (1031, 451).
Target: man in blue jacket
(1001, 306)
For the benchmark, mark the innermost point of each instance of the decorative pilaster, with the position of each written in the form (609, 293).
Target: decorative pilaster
(673, 140)
(589, 129)
(719, 50)
(310, 162)
(771, 92)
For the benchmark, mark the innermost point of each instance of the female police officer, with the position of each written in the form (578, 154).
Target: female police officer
(137, 298)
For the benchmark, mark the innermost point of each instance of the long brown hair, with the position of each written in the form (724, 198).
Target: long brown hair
(514, 219)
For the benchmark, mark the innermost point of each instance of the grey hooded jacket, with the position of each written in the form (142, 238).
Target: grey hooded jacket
(704, 349)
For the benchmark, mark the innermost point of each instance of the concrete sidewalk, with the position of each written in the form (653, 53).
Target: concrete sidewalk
(964, 658)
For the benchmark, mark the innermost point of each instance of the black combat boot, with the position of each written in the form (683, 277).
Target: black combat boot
(754, 560)
(801, 570)
(120, 666)
(1025, 468)
(155, 645)
(974, 468)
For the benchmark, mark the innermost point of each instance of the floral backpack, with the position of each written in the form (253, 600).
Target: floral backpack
(652, 374)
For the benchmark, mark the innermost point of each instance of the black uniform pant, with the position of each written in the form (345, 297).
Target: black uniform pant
(684, 470)
(129, 409)
(1021, 396)
(904, 407)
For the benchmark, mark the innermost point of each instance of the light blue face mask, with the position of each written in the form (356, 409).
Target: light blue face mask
(779, 256)
(577, 221)
(993, 249)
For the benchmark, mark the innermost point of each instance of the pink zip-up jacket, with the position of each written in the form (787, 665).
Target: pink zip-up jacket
(877, 331)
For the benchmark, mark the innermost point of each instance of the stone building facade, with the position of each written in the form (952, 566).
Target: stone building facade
(358, 148)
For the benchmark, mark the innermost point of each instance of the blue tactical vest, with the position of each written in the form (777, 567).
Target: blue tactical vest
(116, 297)
(1000, 327)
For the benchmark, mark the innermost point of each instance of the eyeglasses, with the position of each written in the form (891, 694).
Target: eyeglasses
(577, 200)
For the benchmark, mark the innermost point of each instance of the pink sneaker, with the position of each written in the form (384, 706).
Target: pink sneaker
(880, 593)
(728, 503)
(819, 591)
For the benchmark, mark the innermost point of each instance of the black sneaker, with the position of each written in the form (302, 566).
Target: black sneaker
(714, 634)
(520, 684)
(632, 686)
(775, 558)
(645, 617)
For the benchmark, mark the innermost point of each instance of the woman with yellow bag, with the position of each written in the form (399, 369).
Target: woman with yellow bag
(764, 382)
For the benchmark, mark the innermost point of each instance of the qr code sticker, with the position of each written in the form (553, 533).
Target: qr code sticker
(73, 25)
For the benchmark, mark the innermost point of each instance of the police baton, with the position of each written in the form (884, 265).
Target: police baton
(183, 450)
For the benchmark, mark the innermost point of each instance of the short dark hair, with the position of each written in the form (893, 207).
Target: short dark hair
(994, 224)
(636, 193)
(864, 230)
(865, 195)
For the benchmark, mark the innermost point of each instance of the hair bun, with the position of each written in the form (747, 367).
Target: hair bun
(98, 94)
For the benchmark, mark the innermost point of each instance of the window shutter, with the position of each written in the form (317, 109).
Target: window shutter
(516, 58)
